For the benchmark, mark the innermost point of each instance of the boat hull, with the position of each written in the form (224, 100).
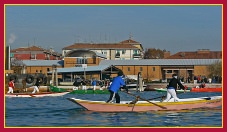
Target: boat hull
(206, 89)
(43, 94)
(141, 106)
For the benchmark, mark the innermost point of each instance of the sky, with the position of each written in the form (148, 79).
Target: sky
(171, 28)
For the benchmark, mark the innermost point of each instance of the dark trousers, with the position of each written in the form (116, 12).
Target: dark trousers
(112, 96)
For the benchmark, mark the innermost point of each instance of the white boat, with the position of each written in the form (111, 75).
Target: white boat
(41, 94)
(134, 86)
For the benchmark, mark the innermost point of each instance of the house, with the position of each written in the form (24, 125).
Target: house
(34, 53)
(125, 50)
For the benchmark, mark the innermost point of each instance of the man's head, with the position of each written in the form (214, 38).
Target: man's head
(120, 73)
(174, 75)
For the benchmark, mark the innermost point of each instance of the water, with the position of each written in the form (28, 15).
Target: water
(60, 112)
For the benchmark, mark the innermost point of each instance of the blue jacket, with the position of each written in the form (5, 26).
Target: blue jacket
(116, 84)
(94, 83)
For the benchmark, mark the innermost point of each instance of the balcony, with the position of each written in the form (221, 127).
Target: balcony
(117, 55)
(136, 55)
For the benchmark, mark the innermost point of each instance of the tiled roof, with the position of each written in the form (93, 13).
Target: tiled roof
(129, 41)
(32, 48)
(197, 55)
(99, 46)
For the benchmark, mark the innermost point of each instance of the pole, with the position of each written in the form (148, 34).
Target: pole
(53, 70)
(84, 69)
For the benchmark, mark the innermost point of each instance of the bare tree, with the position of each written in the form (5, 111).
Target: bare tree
(215, 69)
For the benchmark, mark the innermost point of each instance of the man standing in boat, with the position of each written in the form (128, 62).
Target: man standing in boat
(115, 86)
(172, 87)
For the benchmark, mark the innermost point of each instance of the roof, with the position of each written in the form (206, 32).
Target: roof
(35, 48)
(43, 62)
(99, 46)
(32, 48)
(81, 69)
(159, 62)
(200, 54)
(129, 41)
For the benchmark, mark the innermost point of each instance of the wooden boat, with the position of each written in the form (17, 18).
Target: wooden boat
(41, 94)
(140, 106)
(165, 89)
(206, 89)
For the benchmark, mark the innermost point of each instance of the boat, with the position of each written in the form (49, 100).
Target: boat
(40, 94)
(89, 90)
(206, 89)
(141, 106)
(57, 89)
(79, 91)
(134, 86)
(165, 89)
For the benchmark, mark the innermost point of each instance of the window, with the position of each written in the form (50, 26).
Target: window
(40, 71)
(128, 68)
(81, 60)
(104, 52)
(134, 51)
(48, 69)
(33, 56)
(153, 68)
(123, 51)
(169, 71)
(141, 68)
(36, 71)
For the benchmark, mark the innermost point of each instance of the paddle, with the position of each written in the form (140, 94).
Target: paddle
(157, 97)
(134, 102)
(146, 100)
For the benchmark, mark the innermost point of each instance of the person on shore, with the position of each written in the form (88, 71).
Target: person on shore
(11, 85)
(84, 87)
(172, 87)
(94, 84)
(24, 85)
(76, 84)
(115, 86)
(36, 86)
(101, 84)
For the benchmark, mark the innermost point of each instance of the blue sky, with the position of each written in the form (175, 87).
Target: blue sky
(173, 28)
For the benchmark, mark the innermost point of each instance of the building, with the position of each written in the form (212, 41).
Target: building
(199, 54)
(125, 50)
(34, 53)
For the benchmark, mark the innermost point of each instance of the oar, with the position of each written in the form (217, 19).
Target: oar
(158, 97)
(147, 100)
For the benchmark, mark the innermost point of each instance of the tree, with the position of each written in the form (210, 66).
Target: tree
(215, 69)
(153, 53)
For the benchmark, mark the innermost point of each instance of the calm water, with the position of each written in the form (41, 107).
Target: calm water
(59, 112)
